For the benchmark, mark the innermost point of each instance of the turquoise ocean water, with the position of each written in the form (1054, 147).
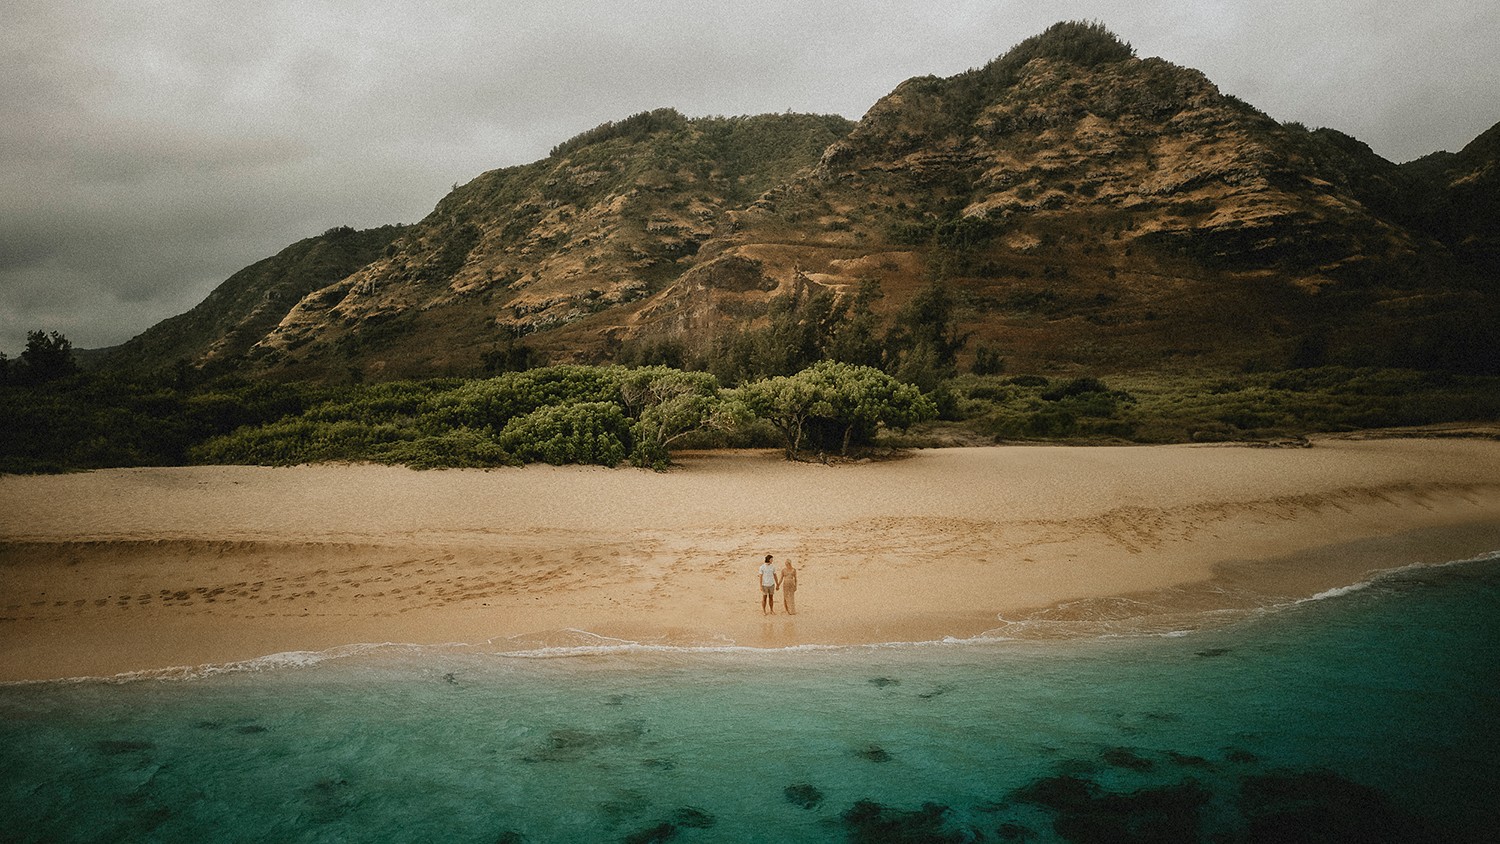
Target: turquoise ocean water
(1370, 713)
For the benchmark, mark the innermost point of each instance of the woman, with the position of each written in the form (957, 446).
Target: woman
(789, 588)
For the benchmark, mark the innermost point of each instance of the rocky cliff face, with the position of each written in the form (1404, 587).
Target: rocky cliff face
(1087, 210)
(606, 221)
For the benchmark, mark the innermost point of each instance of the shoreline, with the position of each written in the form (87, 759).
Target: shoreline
(127, 570)
(1055, 623)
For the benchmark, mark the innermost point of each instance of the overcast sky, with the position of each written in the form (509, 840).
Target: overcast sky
(149, 149)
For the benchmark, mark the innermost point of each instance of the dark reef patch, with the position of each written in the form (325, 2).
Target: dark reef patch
(687, 817)
(803, 795)
(567, 745)
(868, 822)
(1223, 805)
(653, 835)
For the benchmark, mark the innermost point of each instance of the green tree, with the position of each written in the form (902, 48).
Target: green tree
(856, 341)
(835, 403)
(787, 402)
(510, 356)
(862, 399)
(668, 404)
(987, 361)
(653, 351)
(799, 334)
(923, 344)
(48, 357)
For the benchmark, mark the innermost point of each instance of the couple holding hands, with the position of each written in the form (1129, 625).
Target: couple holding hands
(771, 580)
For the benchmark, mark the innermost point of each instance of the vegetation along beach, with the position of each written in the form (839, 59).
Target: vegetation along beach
(1136, 455)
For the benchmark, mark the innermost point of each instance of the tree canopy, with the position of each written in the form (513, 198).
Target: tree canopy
(47, 357)
(835, 403)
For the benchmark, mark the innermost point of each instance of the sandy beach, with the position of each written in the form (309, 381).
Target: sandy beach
(131, 570)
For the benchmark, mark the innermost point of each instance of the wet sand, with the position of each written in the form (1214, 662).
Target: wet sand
(130, 570)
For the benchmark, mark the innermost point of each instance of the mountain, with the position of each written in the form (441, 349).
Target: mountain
(239, 313)
(610, 218)
(1082, 208)
(1463, 200)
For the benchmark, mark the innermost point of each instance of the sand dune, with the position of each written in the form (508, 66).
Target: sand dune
(138, 569)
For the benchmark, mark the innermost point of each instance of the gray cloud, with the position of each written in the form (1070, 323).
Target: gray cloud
(149, 151)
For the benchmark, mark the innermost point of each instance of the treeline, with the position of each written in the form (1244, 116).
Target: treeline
(56, 418)
(738, 158)
(1084, 43)
(743, 144)
(561, 414)
(633, 128)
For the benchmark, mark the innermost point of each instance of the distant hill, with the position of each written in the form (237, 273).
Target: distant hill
(241, 311)
(1463, 201)
(1085, 210)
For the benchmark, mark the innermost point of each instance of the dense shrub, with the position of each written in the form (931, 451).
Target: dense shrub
(91, 421)
(633, 128)
(591, 432)
(1075, 387)
(494, 402)
(1159, 409)
(458, 448)
(1028, 381)
(295, 440)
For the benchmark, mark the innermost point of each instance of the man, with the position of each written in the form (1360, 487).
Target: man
(769, 580)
